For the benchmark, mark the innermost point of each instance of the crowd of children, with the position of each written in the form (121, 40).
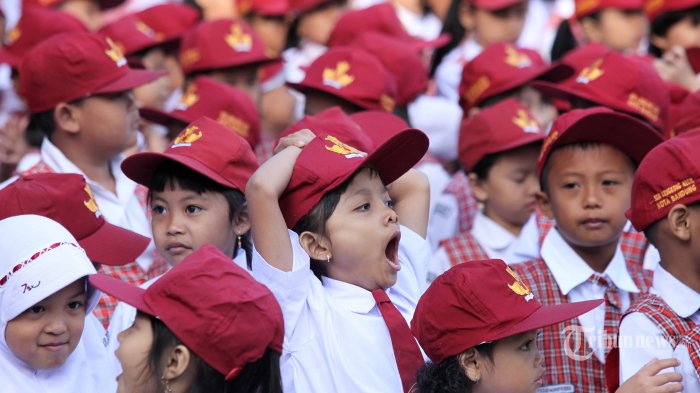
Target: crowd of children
(425, 196)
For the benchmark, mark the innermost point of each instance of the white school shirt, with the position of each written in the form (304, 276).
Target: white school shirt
(426, 26)
(571, 273)
(335, 337)
(443, 213)
(448, 73)
(645, 340)
(123, 209)
(299, 58)
(440, 118)
(691, 382)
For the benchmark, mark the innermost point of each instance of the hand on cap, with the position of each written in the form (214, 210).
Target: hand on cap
(299, 139)
(648, 379)
(674, 67)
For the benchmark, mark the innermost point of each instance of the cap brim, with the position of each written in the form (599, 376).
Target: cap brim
(125, 292)
(398, 154)
(311, 87)
(526, 139)
(130, 80)
(550, 315)
(439, 42)
(161, 117)
(140, 167)
(113, 245)
(7, 57)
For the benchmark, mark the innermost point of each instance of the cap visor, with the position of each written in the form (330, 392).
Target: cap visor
(133, 78)
(438, 42)
(125, 292)
(113, 245)
(694, 58)
(161, 117)
(550, 315)
(141, 166)
(398, 154)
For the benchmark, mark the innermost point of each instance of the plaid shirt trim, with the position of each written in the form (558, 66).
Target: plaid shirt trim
(463, 248)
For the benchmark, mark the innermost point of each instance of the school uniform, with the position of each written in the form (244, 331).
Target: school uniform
(424, 25)
(448, 73)
(442, 219)
(561, 276)
(688, 353)
(298, 58)
(322, 348)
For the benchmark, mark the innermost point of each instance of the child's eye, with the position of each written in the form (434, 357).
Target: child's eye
(527, 346)
(570, 186)
(390, 203)
(36, 309)
(76, 305)
(363, 207)
(158, 209)
(192, 209)
(610, 182)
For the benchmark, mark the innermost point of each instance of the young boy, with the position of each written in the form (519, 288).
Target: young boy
(585, 169)
(664, 206)
(78, 89)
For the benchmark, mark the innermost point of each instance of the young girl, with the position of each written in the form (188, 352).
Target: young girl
(479, 324)
(44, 299)
(341, 274)
(206, 326)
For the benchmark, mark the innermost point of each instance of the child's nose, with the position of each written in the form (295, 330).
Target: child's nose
(175, 224)
(57, 324)
(591, 197)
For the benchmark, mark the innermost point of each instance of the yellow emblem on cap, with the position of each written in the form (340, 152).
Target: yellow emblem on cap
(525, 122)
(91, 204)
(187, 137)
(189, 98)
(13, 35)
(516, 58)
(239, 40)
(148, 30)
(338, 77)
(519, 287)
(115, 53)
(235, 123)
(343, 148)
(590, 73)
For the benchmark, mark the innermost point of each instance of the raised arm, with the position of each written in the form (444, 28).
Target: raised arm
(411, 194)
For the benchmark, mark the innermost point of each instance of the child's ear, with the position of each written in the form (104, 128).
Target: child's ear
(479, 187)
(544, 204)
(241, 222)
(472, 364)
(679, 222)
(65, 117)
(591, 29)
(317, 246)
(177, 361)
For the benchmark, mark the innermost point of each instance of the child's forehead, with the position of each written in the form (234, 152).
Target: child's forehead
(366, 178)
(580, 154)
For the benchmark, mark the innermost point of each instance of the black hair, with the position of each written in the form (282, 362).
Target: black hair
(293, 38)
(44, 124)
(449, 376)
(260, 376)
(315, 220)
(564, 40)
(171, 173)
(663, 23)
(484, 165)
(454, 28)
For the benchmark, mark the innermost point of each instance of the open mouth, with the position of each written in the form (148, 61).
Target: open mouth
(392, 252)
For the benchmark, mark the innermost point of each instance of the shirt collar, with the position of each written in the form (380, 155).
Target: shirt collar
(349, 296)
(491, 235)
(570, 270)
(683, 300)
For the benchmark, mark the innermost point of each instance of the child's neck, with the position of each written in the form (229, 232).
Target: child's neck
(96, 169)
(511, 228)
(679, 261)
(598, 258)
(410, 5)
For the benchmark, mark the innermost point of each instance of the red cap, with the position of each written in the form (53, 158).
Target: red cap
(172, 20)
(104, 4)
(688, 115)
(222, 43)
(205, 146)
(334, 120)
(264, 7)
(654, 8)
(502, 67)
(70, 66)
(36, 25)
(379, 18)
(625, 83)
(352, 75)
(213, 306)
(206, 97)
(602, 125)
(68, 200)
(304, 6)
(667, 176)
(402, 61)
(494, 5)
(130, 34)
(479, 302)
(498, 128)
(380, 126)
(582, 56)
(588, 7)
(326, 162)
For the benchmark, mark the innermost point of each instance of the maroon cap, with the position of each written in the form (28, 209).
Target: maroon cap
(581, 57)
(625, 83)
(498, 128)
(494, 5)
(304, 6)
(326, 162)
(205, 146)
(206, 97)
(70, 66)
(264, 7)
(602, 125)
(130, 34)
(502, 67)
(213, 306)
(36, 25)
(352, 75)
(588, 7)
(687, 115)
(479, 302)
(402, 61)
(171, 20)
(667, 176)
(334, 121)
(103, 4)
(654, 8)
(222, 43)
(68, 200)
(380, 126)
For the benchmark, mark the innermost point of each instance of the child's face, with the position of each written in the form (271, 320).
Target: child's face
(272, 31)
(47, 333)
(588, 192)
(364, 235)
(134, 345)
(490, 27)
(510, 188)
(685, 33)
(109, 123)
(86, 11)
(154, 94)
(183, 221)
(517, 366)
(316, 26)
(617, 29)
(244, 78)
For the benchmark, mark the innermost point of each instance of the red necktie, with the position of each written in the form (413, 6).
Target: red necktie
(406, 351)
(613, 307)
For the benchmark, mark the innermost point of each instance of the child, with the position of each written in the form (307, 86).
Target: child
(664, 206)
(342, 270)
(585, 171)
(89, 12)
(498, 150)
(44, 298)
(455, 322)
(78, 89)
(206, 326)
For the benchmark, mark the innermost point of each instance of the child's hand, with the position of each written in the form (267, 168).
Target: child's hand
(299, 139)
(648, 379)
(674, 67)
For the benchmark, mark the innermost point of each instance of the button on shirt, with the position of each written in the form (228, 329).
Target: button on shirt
(335, 337)
(646, 339)
(571, 273)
